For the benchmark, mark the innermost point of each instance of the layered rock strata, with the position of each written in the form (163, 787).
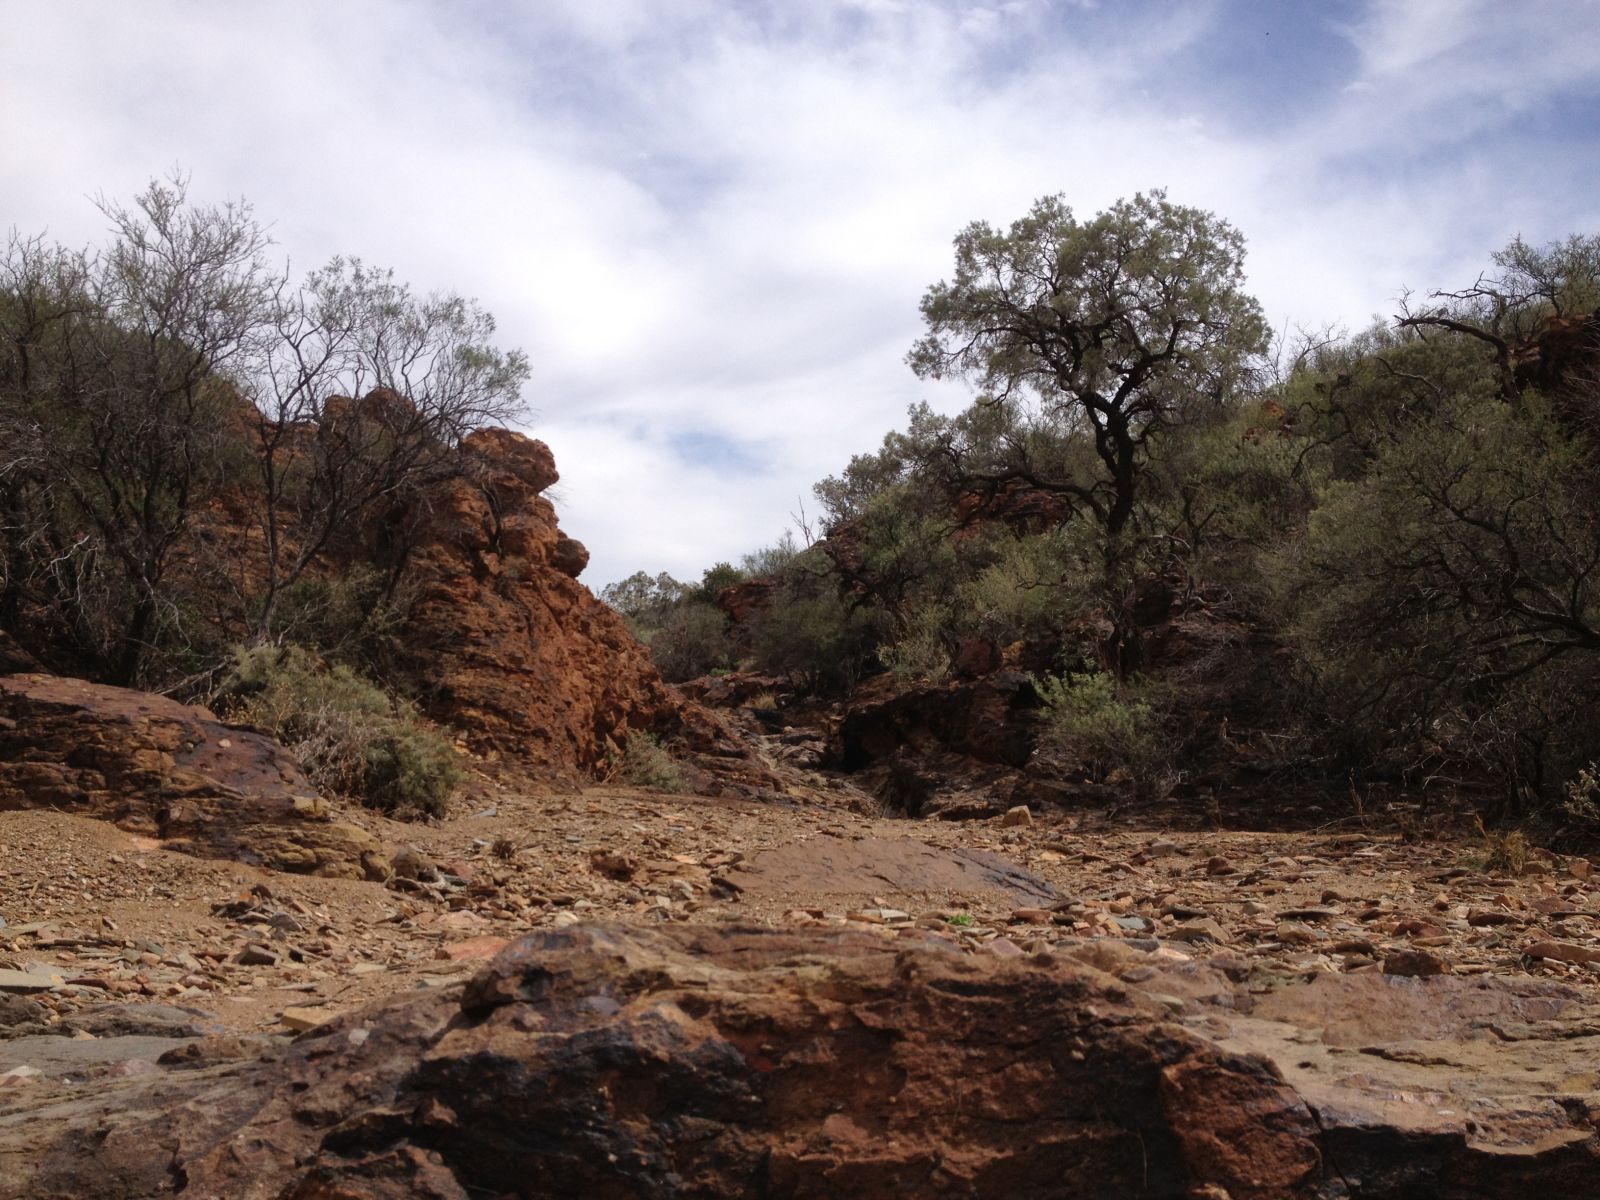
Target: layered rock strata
(729, 1062)
(172, 771)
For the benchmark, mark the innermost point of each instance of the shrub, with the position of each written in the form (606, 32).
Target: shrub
(1503, 849)
(921, 653)
(692, 641)
(1581, 801)
(355, 615)
(646, 763)
(1447, 601)
(819, 638)
(1085, 716)
(350, 736)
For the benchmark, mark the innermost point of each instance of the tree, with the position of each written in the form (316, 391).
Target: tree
(1117, 328)
(175, 370)
(1506, 308)
(113, 368)
(358, 391)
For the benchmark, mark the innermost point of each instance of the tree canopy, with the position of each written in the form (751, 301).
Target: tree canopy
(1118, 327)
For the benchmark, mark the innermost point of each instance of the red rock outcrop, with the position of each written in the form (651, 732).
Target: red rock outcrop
(510, 649)
(729, 1062)
(169, 770)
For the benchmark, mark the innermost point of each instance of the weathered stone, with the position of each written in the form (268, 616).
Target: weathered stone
(169, 770)
(1204, 930)
(298, 1019)
(26, 982)
(1414, 963)
(1563, 952)
(511, 651)
(730, 1061)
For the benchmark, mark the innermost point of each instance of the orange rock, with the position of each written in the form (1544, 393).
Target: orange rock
(510, 649)
(475, 948)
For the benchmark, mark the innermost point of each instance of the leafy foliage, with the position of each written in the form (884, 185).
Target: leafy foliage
(687, 634)
(351, 737)
(174, 370)
(1088, 716)
(812, 631)
(645, 763)
(1118, 328)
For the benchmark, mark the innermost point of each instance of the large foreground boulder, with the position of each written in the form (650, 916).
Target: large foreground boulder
(169, 770)
(732, 1062)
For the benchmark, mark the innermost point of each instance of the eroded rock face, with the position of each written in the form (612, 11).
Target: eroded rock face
(169, 770)
(730, 1062)
(955, 750)
(509, 648)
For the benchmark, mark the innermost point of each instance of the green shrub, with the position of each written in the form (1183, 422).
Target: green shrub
(355, 615)
(351, 737)
(692, 640)
(1033, 584)
(815, 635)
(921, 653)
(1445, 602)
(1085, 716)
(1581, 798)
(645, 763)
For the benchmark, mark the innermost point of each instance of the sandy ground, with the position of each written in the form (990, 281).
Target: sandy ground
(93, 914)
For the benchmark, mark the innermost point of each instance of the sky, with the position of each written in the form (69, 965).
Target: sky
(709, 222)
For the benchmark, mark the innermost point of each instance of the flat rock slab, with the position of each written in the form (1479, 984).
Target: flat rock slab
(902, 867)
(24, 982)
(53, 1056)
(730, 1061)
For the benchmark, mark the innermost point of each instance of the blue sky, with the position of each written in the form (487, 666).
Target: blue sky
(709, 223)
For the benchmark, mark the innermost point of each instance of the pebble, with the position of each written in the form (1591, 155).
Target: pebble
(1205, 930)
(299, 1019)
(1414, 963)
(1566, 952)
(1293, 933)
(1032, 916)
(878, 916)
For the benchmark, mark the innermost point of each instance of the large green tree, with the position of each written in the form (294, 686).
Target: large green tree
(1115, 328)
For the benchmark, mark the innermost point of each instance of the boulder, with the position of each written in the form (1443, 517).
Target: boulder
(173, 771)
(740, 1061)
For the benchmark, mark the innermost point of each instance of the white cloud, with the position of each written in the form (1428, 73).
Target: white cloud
(719, 216)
